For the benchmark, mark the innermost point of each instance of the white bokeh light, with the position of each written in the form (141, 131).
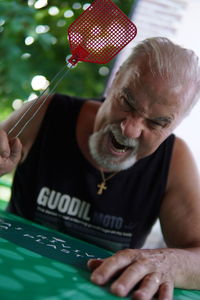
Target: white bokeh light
(42, 29)
(31, 2)
(29, 40)
(40, 4)
(17, 103)
(25, 56)
(61, 23)
(86, 5)
(39, 82)
(2, 22)
(103, 71)
(76, 5)
(53, 10)
(32, 96)
(68, 13)
(54, 40)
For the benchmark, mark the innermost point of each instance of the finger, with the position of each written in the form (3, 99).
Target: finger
(109, 267)
(129, 278)
(16, 149)
(148, 287)
(4, 144)
(92, 264)
(166, 291)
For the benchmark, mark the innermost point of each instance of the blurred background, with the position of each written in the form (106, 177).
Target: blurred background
(34, 47)
(33, 43)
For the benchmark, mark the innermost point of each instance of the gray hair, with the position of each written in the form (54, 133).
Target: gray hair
(179, 67)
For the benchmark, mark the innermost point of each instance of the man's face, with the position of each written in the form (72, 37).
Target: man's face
(136, 117)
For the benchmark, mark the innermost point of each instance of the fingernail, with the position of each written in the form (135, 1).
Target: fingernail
(97, 279)
(89, 263)
(118, 289)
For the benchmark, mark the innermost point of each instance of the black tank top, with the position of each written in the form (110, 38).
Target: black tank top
(57, 187)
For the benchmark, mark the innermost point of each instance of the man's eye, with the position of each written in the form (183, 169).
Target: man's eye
(156, 124)
(125, 103)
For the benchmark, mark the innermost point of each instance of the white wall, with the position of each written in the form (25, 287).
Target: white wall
(188, 35)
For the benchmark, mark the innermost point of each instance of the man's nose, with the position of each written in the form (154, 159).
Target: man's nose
(132, 126)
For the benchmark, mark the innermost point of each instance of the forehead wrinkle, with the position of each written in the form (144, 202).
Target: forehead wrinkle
(131, 99)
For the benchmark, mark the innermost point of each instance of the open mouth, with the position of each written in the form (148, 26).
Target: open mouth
(119, 147)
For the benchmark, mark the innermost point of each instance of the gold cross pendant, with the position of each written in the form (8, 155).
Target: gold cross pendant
(102, 186)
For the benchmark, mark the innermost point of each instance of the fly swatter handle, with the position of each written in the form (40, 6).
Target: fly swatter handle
(78, 54)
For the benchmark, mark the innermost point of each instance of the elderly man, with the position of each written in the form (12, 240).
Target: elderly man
(105, 171)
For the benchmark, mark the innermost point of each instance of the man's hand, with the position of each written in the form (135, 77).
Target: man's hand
(150, 272)
(10, 152)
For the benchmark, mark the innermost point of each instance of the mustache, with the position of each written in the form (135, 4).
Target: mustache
(121, 139)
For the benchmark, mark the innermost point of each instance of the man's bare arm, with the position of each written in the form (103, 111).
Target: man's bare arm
(180, 214)
(159, 270)
(12, 149)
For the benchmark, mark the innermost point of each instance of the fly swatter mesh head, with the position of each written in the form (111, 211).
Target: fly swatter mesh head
(99, 33)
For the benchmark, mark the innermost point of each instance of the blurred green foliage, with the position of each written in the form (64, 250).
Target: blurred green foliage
(19, 62)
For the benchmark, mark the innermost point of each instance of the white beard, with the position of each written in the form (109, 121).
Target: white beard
(105, 159)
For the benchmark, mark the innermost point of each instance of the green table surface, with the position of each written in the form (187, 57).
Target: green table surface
(38, 263)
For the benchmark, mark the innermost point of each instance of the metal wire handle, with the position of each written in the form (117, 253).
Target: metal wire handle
(97, 35)
(61, 74)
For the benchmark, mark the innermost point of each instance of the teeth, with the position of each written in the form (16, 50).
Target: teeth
(118, 147)
(121, 150)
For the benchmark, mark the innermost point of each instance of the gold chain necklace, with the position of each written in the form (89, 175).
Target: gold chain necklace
(102, 186)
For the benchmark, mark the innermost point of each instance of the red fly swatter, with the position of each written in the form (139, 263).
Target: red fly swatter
(99, 33)
(96, 36)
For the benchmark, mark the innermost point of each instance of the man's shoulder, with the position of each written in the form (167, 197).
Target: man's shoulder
(64, 101)
(181, 148)
(182, 163)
